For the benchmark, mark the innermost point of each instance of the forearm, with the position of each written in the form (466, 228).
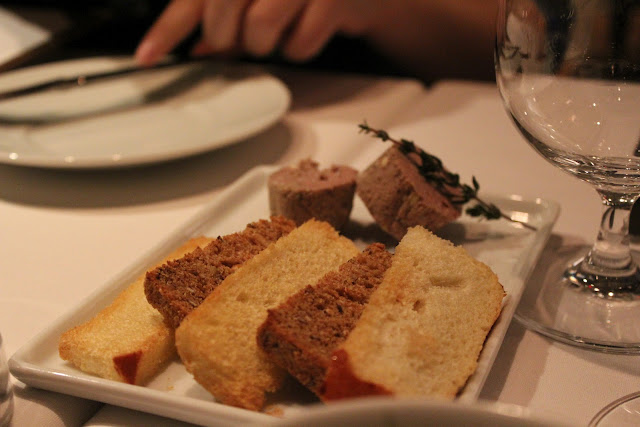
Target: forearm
(427, 38)
(438, 38)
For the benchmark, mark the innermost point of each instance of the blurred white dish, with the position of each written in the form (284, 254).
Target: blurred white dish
(386, 412)
(134, 119)
(6, 393)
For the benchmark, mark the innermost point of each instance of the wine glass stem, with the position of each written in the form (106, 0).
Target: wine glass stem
(611, 254)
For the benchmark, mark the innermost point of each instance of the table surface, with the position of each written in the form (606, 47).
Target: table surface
(65, 233)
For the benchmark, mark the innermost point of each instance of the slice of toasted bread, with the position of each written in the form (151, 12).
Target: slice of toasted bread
(127, 341)
(177, 287)
(424, 327)
(301, 334)
(217, 341)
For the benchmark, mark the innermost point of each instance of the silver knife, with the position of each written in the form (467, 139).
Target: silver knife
(84, 79)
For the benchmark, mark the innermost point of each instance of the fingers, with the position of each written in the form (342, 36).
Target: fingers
(301, 28)
(258, 27)
(317, 23)
(221, 23)
(177, 21)
(266, 21)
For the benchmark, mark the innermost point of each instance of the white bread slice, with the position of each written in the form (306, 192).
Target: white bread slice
(127, 341)
(424, 327)
(217, 341)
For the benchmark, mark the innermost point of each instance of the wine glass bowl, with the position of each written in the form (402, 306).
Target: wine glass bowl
(569, 74)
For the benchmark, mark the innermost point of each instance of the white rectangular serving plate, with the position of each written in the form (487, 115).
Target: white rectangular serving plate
(510, 249)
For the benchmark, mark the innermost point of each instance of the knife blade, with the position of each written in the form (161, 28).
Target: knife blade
(84, 79)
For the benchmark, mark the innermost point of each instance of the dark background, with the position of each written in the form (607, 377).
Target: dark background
(116, 26)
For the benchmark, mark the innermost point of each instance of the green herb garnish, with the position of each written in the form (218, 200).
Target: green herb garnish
(447, 183)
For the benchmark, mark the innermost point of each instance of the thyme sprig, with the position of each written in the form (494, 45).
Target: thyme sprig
(447, 183)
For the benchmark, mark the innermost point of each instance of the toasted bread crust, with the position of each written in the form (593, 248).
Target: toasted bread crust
(342, 383)
(128, 341)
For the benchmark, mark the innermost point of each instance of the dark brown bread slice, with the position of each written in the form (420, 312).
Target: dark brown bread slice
(301, 334)
(306, 192)
(179, 286)
(398, 197)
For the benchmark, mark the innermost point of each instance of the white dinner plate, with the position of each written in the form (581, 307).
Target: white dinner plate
(134, 119)
(509, 249)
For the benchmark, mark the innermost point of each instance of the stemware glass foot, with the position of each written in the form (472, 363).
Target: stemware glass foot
(622, 412)
(623, 287)
(559, 304)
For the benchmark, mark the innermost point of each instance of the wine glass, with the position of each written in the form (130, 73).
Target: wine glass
(569, 74)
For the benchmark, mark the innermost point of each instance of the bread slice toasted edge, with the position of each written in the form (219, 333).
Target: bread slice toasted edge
(128, 341)
(175, 288)
(301, 333)
(217, 341)
(422, 332)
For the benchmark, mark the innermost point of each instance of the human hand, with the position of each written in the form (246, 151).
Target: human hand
(299, 29)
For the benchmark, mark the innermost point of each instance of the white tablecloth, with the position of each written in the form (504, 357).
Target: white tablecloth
(65, 233)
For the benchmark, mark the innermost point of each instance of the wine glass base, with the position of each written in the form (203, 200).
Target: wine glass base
(625, 287)
(622, 412)
(554, 305)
